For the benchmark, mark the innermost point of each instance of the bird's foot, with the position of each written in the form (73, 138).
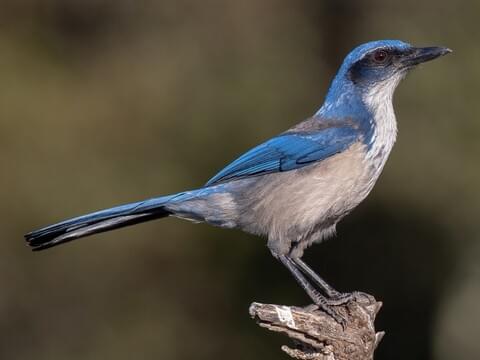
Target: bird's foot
(322, 303)
(337, 298)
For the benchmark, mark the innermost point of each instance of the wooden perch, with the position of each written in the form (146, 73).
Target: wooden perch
(317, 336)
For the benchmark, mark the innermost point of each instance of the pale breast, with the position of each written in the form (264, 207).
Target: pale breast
(303, 205)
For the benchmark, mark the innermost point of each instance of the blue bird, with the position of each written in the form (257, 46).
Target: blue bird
(294, 188)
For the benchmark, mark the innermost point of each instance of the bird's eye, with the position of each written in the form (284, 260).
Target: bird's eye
(380, 56)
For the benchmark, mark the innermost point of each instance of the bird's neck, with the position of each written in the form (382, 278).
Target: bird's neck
(371, 108)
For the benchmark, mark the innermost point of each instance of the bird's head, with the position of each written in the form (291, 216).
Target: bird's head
(375, 68)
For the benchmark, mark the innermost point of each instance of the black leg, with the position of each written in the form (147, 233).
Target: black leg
(334, 297)
(317, 298)
(330, 291)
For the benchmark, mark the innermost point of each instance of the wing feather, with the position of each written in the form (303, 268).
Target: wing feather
(291, 150)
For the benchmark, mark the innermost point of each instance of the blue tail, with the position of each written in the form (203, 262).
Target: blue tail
(101, 221)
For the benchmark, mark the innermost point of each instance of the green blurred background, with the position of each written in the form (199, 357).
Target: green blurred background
(106, 102)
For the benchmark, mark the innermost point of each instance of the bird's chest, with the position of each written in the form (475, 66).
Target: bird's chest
(320, 193)
(334, 187)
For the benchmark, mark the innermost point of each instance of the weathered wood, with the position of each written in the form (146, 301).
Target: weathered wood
(316, 336)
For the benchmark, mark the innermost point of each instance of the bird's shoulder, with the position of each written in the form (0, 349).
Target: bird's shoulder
(318, 124)
(314, 139)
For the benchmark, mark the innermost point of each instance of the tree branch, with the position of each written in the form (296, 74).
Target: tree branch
(316, 336)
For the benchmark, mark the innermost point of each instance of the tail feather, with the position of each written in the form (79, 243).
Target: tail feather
(98, 222)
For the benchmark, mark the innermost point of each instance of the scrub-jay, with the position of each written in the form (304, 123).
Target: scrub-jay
(295, 187)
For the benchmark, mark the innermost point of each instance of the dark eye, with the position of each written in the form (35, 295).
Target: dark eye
(380, 56)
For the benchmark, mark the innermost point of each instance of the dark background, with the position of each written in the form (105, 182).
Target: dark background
(106, 102)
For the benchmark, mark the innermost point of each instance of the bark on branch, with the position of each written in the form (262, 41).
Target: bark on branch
(316, 336)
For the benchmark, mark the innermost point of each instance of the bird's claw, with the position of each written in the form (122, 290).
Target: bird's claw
(361, 296)
(324, 305)
(338, 298)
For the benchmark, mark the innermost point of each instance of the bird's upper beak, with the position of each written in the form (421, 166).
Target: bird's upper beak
(421, 55)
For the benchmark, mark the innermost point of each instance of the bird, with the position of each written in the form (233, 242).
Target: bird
(294, 188)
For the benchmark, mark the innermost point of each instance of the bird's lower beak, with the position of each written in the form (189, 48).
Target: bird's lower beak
(421, 55)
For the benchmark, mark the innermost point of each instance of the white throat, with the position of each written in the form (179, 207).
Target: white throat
(379, 102)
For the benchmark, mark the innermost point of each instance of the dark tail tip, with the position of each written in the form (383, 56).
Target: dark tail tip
(62, 233)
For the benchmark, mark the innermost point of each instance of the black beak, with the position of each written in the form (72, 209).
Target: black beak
(421, 55)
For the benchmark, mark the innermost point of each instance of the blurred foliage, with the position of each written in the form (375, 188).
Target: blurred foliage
(105, 102)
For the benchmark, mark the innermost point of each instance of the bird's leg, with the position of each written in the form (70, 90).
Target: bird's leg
(318, 299)
(334, 297)
(307, 270)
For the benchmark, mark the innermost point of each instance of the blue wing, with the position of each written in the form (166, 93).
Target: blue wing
(290, 150)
